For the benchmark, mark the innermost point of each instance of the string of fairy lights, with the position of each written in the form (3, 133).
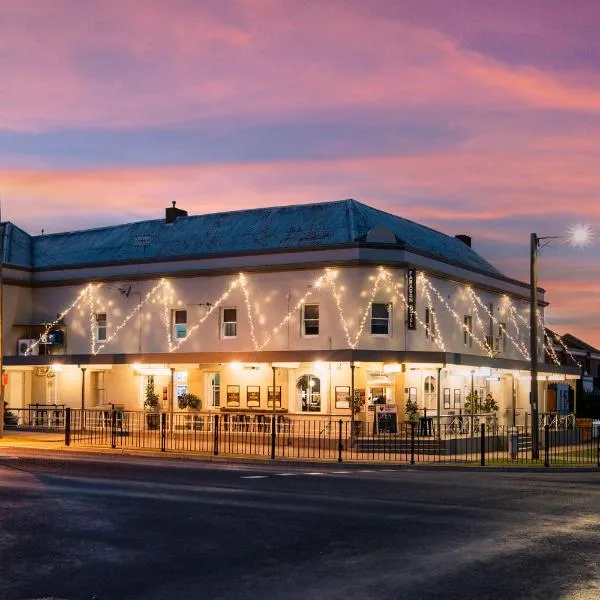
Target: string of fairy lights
(163, 293)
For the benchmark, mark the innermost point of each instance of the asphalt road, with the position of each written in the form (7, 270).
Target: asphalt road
(121, 528)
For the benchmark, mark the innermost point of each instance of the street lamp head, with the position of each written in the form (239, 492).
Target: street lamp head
(579, 235)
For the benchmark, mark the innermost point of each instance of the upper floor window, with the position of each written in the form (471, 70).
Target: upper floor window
(310, 320)
(468, 330)
(501, 337)
(430, 331)
(101, 327)
(380, 318)
(229, 323)
(179, 324)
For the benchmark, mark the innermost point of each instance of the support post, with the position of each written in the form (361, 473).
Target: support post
(482, 447)
(340, 445)
(83, 369)
(412, 442)
(1, 326)
(216, 436)
(546, 445)
(274, 419)
(352, 367)
(533, 348)
(67, 426)
(439, 404)
(113, 428)
(163, 432)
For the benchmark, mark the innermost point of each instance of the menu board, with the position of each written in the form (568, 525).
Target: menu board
(342, 397)
(233, 395)
(387, 421)
(277, 397)
(253, 396)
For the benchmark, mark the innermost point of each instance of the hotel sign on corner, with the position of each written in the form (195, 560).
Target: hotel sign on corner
(411, 299)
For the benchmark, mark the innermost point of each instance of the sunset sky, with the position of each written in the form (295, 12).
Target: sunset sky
(470, 116)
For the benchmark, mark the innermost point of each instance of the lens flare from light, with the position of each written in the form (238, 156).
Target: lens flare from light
(580, 235)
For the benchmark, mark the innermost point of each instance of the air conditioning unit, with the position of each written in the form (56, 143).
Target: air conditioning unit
(27, 347)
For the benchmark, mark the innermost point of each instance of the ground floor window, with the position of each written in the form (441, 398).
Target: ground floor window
(213, 389)
(309, 393)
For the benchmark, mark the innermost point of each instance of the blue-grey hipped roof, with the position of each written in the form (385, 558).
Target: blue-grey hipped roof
(339, 223)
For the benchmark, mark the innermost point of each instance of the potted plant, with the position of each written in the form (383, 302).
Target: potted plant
(472, 404)
(151, 404)
(412, 410)
(190, 401)
(356, 405)
(489, 405)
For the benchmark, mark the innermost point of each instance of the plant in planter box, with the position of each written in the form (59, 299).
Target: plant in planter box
(190, 401)
(10, 419)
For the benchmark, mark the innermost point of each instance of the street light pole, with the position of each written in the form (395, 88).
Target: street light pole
(533, 347)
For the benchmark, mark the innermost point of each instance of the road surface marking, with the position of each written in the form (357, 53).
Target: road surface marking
(314, 473)
(254, 477)
(285, 474)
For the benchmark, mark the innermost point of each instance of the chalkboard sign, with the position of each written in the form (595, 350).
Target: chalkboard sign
(253, 396)
(386, 418)
(233, 395)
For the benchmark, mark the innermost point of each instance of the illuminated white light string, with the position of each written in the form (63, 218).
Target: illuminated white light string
(512, 316)
(331, 276)
(242, 281)
(149, 296)
(317, 284)
(489, 349)
(58, 319)
(214, 306)
(436, 327)
(456, 316)
(398, 287)
(517, 345)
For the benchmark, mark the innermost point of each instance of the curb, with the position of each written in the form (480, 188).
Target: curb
(254, 461)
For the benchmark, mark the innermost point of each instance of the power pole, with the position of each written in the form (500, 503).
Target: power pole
(533, 326)
(1, 324)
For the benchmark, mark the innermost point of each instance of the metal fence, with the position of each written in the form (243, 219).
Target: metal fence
(266, 436)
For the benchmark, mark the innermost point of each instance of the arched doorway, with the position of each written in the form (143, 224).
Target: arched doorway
(430, 392)
(308, 389)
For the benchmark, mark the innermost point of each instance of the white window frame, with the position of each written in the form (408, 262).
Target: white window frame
(305, 320)
(468, 324)
(213, 391)
(502, 337)
(430, 329)
(389, 319)
(224, 324)
(175, 325)
(101, 330)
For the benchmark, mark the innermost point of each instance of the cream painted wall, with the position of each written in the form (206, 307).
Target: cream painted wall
(270, 295)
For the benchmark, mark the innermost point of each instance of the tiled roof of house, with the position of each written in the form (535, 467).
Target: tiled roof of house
(338, 223)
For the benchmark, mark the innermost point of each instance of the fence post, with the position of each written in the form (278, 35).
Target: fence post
(546, 445)
(273, 434)
(482, 449)
(163, 432)
(113, 428)
(596, 431)
(412, 442)
(216, 436)
(67, 426)
(340, 446)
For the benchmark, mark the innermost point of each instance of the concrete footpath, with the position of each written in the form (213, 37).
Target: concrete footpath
(53, 445)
